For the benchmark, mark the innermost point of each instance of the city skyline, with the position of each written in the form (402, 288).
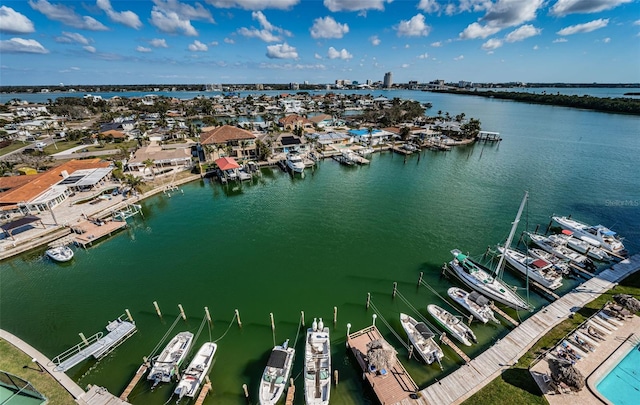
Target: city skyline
(46, 42)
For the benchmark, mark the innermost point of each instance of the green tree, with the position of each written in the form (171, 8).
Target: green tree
(149, 164)
(134, 182)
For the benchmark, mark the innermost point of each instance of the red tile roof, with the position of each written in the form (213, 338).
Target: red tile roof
(225, 134)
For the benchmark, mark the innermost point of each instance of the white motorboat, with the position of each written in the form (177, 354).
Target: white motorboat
(421, 337)
(409, 147)
(560, 264)
(478, 278)
(580, 245)
(364, 152)
(538, 270)
(60, 253)
(276, 374)
(317, 365)
(453, 325)
(294, 162)
(474, 302)
(561, 251)
(167, 362)
(605, 237)
(193, 375)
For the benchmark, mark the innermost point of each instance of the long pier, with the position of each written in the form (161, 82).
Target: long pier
(466, 381)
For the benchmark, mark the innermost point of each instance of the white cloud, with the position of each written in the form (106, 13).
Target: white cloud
(535, 47)
(332, 53)
(170, 22)
(458, 57)
(21, 45)
(282, 51)
(328, 28)
(405, 65)
(564, 7)
(142, 49)
(266, 33)
(636, 22)
(128, 18)
(254, 4)
(560, 40)
(158, 43)
(355, 5)
(89, 49)
(66, 15)
(198, 46)
(423, 56)
(499, 15)
(229, 41)
(184, 11)
(606, 40)
(71, 37)
(375, 41)
(415, 27)
(214, 43)
(317, 56)
(583, 28)
(12, 22)
(436, 44)
(450, 9)
(429, 6)
(522, 33)
(492, 44)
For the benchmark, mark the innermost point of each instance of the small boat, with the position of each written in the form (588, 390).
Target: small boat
(364, 152)
(294, 162)
(421, 338)
(167, 362)
(199, 367)
(453, 325)
(580, 245)
(538, 270)
(409, 147)
(561, 251)
(560, 264)
(474, 302)
(478, 278)
(243, 174)
(276, 374)
(60, 253)
(317, 365)
(597, 235)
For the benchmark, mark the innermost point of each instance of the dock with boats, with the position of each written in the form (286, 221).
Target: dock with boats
(393, 386)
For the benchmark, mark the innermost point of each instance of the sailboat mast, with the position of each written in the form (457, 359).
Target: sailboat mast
(510, 238)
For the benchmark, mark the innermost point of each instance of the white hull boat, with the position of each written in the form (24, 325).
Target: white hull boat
(199, 367)
(276, 374)
(561, 251)
(317, 365)
(364, 152)
(605, 237)
(421, 337)
(560, 264)
(453, 325)
(295, 163)
(60, 254)
(170, 359)
(479, 279)
(474, 302)
(538, 270)
(581, 246)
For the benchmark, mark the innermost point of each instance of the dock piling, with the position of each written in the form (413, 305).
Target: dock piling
(246, 391)
(420, 278)
(84, 339)
(348, 330)
(208, 315)
(368, 300)
(335, 316)
(373, 317)
(128, 315)
(273, 325)
(302, 318)
(395, 289)
(182, 314)
(335, 377)
(238, 316)
(155, 305)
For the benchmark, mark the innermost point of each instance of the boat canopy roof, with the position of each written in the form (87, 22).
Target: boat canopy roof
(540, 263)
(461, 257)
(478, 298)
(606, 231)
(277, 359)
(424, 330)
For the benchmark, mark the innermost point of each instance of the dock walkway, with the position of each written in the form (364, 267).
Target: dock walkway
(89, 232)
(467, 380)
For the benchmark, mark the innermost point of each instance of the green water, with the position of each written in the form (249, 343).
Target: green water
(283, 245)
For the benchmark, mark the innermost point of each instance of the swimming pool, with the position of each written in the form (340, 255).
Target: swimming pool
(621, 385)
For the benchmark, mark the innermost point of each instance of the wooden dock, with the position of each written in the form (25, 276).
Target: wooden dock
(141, 372)
(88, 232)
(401, 151)
(544, 290)
(291, 393)
(394, 387)
(203, 394)
(503, 314)
(445, 339)
(466, 381)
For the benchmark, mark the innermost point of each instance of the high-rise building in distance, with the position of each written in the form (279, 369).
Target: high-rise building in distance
(388, 80)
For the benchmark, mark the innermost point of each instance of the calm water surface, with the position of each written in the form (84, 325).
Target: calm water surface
(283, 245)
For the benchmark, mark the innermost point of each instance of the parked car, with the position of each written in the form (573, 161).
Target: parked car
(40, 145)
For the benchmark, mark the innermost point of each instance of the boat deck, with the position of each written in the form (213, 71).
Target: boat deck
(397, 386)
(469, 379)
(89, 232)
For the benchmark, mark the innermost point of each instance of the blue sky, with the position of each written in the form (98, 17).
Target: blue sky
(47, 42)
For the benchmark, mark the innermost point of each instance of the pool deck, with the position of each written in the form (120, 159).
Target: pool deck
(469, 379)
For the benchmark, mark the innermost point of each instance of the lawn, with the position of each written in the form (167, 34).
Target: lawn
(516, 385)
(13, 360)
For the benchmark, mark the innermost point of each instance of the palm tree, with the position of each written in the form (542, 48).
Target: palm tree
(370, 132)
(148, 164)
(134, 182)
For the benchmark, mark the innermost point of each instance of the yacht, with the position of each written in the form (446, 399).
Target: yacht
(597, 235)
(294, 162)
(317, 365)
(581, 245)
(538, 270)
(561, 251)
(421, 337)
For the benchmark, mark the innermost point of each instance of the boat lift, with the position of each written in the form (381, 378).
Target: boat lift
(98, 345)
(127, 212)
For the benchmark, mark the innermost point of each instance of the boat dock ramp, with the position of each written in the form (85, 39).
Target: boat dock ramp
(97, 345)
(393, 386)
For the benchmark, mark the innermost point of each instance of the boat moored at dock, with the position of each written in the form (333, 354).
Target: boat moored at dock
(276, 374)
(294, 162)
(607, 239)
(453, 325)
(538, 270)
(171, 357)
(474, 302)
(421, 337)
(317, 365)
(195, 373)
(581, 245)
(60, 254)
(561, 251)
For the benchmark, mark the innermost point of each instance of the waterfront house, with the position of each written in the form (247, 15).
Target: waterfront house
(235, 142)
(164, 159)
(325, 139)
(322, 120)
(294, 121)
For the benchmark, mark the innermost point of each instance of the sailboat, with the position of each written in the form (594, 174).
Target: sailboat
(478, 277)
(317, 365)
